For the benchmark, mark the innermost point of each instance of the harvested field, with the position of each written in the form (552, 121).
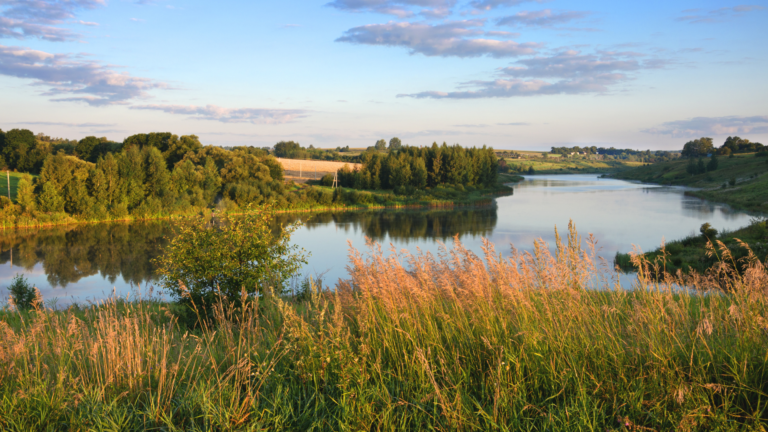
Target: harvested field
(300, 170)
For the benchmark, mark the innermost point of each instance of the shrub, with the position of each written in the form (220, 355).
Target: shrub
(234, 255)
(22, 294)
(708, 232)
(327, 180)
(732, 181)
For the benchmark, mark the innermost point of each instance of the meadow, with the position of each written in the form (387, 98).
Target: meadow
(409, 342)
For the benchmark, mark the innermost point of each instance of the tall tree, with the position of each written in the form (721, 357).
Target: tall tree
(395, 143)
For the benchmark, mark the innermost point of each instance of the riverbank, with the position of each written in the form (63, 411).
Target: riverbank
(452, 344)
(692, 254)
(556, 164)
(328, 199)
(740, 181)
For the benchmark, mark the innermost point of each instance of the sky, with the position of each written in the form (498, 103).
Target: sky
(511, 74)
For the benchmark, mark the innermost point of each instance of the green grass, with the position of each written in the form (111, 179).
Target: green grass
(14, 177)
(453, 343)
(690, 254)
(555, 164)
(749, 172)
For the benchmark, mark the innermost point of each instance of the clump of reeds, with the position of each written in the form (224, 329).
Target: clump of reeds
(536, 341)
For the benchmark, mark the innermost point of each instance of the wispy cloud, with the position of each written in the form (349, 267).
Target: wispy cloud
(493, 4)
(73, 125)
(568, 72)
(70, 79)
(514, 124)
(231, 115)
(712, 126)
(398, 8)
(450, 39)
(542, 18)
(24, 19)
(88, 23)
(699, 16)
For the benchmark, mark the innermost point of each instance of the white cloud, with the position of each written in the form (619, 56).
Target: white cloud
(88, 23)
(712, 126)
(23, 19)
(493, 4)
(398, 8)
(542, 18)
(568, 72)
(231, 115)
(84, 81)
(454, 39)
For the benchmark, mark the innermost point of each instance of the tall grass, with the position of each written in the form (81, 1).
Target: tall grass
(541, 341)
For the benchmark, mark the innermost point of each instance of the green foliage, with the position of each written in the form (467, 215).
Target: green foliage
(395, 144)
(380, 145)
(420, 168)
(698, 147)
(708, 231)
(86, 146)
(230, 256)
(25, 194)
(327, 180)
(713, 163)
(21, 292)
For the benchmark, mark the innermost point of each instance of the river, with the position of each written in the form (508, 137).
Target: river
(87, 262)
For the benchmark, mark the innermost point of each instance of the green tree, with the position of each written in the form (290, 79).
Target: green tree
(49, 199)
(395, 144)
(18, 149)
(380, 145)
(708, 232)
(287, 149)
(713, 163)
(419, 174)
(86, 146)
(237, 254)
(699, 147)
(25, 194)
(23, 295)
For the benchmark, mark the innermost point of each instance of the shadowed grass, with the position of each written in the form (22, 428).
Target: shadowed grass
(538, 342)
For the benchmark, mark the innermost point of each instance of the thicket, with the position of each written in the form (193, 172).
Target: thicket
(408, 169)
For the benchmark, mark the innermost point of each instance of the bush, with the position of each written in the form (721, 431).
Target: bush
(22, 294)
(230, 256)
(708, 232)
(327, 180)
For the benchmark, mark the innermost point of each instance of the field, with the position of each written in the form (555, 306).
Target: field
(556, 164)
(450, 343)
(15, 177)
(749, 175)
(302, 170)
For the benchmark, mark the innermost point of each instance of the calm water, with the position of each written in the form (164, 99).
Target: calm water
(87, 262)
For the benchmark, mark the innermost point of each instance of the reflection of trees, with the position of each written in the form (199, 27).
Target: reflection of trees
(72, 252)
(69, 253)
(405, 225)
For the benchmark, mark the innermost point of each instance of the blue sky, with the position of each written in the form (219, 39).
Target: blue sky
(507, 73)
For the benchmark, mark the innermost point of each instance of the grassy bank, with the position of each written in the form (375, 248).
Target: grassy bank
(739, 181)
(556, 164)
(692, 254)
(14, 178)
(453, 343)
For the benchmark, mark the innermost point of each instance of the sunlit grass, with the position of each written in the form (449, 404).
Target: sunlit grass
(450, 342)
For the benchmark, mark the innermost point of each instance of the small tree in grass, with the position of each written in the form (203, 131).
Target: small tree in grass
(708, 231)
(23, 295)
(228, 256)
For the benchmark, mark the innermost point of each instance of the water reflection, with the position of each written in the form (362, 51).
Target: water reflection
(86, 261)
(70, 253)
(405, 226)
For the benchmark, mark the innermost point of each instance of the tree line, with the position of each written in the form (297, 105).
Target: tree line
(624, 154)
(145, 175)
(704, 146)
(409, 168)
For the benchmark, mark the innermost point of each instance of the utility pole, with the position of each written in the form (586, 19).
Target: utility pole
(335, 180)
